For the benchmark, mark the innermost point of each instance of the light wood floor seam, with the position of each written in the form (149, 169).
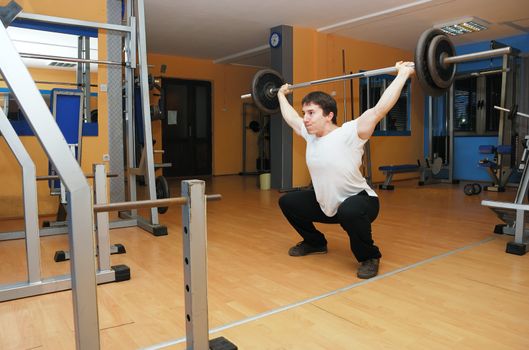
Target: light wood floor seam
(325, 295)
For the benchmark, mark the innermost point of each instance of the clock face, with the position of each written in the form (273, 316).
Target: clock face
(275, 39)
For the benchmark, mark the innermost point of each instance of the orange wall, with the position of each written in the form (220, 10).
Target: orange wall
(228, 84)
(317, 56)
(93, 10)
(94, 147)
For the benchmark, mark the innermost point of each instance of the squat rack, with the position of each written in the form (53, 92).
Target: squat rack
(133, 33)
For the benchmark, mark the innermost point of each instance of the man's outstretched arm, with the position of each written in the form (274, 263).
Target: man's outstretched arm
(370, 118)
(289, 113)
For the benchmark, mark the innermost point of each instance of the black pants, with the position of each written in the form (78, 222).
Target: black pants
(355, 215)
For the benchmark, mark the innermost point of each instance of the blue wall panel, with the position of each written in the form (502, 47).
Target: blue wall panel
(467, 157)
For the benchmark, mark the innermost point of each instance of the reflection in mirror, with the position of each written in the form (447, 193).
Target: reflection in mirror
(54, 72)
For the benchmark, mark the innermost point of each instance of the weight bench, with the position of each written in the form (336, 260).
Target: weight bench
(389, 170)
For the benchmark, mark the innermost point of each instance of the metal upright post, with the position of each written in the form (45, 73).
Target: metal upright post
(31, 218)
(102, 225)
(244, 109)
(195, 264)
(430, 129)
(83, 78)
(129, 106)
(144, 87)
(450, 132)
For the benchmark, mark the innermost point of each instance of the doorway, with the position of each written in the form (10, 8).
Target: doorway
(186, 132)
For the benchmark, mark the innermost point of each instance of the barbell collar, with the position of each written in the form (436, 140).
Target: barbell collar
(149, 203)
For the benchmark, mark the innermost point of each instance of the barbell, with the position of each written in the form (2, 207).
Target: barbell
(434, 65)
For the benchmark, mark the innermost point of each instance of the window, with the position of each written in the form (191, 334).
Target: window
(10, 106)
(474, 101)
(397, 121)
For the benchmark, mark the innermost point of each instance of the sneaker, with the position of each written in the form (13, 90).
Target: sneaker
(368, 268)
(302, 249)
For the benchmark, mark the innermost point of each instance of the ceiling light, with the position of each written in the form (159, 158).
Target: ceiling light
(463, 26)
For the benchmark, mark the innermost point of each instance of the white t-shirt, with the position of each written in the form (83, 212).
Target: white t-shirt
(334, 162)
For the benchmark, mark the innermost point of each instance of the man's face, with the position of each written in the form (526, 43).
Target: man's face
(314, 119)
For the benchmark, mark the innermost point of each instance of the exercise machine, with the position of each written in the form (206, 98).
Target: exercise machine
(513, 214)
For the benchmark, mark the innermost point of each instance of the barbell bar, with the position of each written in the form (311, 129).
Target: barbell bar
(509, 111)
(434, 65)
(149, 203)
(69, 59)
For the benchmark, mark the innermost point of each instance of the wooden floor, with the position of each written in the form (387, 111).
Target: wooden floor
(445, 281)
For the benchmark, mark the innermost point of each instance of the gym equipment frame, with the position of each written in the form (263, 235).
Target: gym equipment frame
(514, 214)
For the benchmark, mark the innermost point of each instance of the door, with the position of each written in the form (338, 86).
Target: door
(186, 132)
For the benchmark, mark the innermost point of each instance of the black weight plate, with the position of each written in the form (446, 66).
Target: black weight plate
(476, 188)
(263, 81)
(421, 63)
(254, 126)
(162, 191)
(442, 74)
(468, 189)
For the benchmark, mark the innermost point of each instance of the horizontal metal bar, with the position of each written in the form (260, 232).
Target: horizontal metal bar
(56, 177)
(58, 83)
(69, 59)
(213, 197)
(509, 111)
(505, 205)
(149, 203)
(47, 285)
(478, 55)
(75, 22)
(369, 73)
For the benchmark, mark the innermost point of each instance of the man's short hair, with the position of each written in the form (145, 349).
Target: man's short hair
(326, 102)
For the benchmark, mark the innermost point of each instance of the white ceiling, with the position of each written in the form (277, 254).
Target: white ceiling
(236, 31)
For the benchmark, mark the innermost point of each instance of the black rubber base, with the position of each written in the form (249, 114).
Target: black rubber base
(499, 229)
(386, 187)
(516, 248)
(221, 343)
(60, 256)
(121, 248)
(122, 272)
(421, 183)
(159, 230)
